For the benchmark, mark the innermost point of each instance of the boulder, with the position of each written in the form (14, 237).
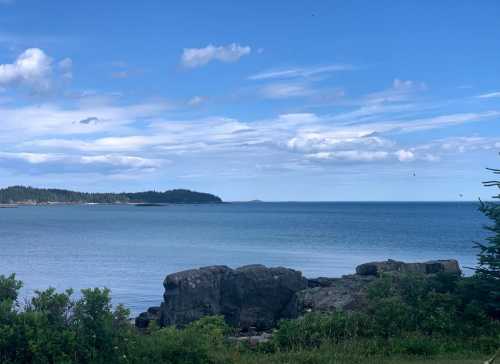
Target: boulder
(250, 296)
(145, 318)
(392, 266)
(255, 296)
(346, 293)
(192, 294)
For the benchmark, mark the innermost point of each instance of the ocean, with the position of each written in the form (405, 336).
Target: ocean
(131, 249)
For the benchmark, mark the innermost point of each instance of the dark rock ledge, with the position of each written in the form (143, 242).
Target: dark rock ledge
(254, 297)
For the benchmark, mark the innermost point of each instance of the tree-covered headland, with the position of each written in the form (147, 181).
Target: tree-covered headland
(22, 194)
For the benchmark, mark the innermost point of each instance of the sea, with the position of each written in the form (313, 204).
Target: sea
(130, 249)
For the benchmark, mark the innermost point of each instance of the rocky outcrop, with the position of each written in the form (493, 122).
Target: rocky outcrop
(346, 293)
(391, 266)
(255, 297)
(144, 319)
(192, 294)
(349, 292)
(250, 296)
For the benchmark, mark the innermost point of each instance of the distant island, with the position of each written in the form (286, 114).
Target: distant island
(34, 196)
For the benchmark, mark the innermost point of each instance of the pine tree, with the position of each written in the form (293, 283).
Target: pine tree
(489, 252)
(488, 265)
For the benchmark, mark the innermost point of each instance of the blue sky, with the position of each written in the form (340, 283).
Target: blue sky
(302, 100)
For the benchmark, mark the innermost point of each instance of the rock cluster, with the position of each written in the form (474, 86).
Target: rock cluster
(255, 297)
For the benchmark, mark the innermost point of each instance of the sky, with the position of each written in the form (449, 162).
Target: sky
(272, 100)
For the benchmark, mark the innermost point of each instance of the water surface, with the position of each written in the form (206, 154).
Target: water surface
(131, 249)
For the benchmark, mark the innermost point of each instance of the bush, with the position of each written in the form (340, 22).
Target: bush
(201, 342)
(52, 328)
(404, 315)
(408, 314)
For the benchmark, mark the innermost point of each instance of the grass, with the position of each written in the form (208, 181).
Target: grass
(354, 352)
(332, 358)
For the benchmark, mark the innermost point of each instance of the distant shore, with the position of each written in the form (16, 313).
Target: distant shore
(24, 195)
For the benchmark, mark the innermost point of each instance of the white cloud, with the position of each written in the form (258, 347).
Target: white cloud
(405, 155)
(33, 158)
(401, 90)
(197, 57)
(314, 141)
(49, 119)
(75, 163)
(285, 90)
(408, 85)
(109, 144)
(297, 119)
(106, 138)
(350, 156)
(489, 95)
(197, 100)
(34, 69)
(464, 144)
(300, 72)
(122, 161)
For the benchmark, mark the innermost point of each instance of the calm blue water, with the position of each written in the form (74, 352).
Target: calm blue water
(131, 249)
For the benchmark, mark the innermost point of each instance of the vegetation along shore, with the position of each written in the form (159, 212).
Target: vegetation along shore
(387, 312)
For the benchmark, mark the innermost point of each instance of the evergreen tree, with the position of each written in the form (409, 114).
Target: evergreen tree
(488, 266)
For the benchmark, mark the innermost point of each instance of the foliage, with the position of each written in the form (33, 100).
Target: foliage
(18, 194)
(53, 328)
(408, 316)
(488, 268)
(199, 343)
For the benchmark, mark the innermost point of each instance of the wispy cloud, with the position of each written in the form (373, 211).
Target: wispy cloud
(350, 155)
(285, 90)
(300, 72)
(86, 163)
(400, 91)
(489, 95)
(197, 100)
(197, 57)
(33, 121)
(110, 137)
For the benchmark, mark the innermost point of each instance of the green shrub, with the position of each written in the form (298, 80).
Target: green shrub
(52, 328)
(201, 342)
(408, 314)
(404, 315)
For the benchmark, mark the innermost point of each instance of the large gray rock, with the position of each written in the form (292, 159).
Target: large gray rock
(192, 294)
(145, 318)
(255, 296)
(327, 295)
(250, 296)
(392, 266)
